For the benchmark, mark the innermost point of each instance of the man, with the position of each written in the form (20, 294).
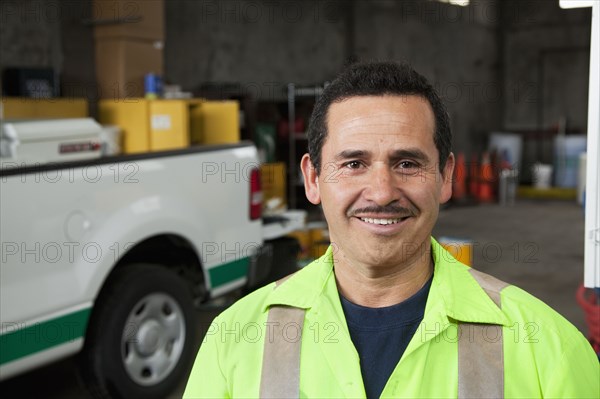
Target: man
(387, 312)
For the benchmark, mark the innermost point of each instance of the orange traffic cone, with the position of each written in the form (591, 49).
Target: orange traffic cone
(474, 177)
(486, 179)
(494, 172)
(459, 182)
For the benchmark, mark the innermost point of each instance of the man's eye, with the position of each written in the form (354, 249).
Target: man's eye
(352, 164)
(407, 165)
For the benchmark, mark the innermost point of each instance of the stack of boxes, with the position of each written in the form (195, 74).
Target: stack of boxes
(129, 38)
(158, 125)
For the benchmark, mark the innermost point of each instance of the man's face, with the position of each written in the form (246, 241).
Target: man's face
(380, 185)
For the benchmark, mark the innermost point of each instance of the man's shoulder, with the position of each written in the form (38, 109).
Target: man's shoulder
(291, 290)
(528, 312)
(249, 307)
(519, 309)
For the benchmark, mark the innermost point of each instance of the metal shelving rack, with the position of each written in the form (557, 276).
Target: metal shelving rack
(295, 93)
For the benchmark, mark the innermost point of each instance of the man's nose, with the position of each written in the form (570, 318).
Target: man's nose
(381, 187)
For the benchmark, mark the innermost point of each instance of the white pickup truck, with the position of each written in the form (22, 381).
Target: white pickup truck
(106, 257)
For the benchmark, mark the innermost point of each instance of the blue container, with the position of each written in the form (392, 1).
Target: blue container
(152, 85)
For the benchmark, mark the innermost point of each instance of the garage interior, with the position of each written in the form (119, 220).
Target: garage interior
(513, 74)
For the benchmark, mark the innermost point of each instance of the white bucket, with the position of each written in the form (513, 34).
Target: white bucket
(542, 175)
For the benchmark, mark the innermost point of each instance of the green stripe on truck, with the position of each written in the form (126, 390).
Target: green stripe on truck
(229, 272)
(22, 341)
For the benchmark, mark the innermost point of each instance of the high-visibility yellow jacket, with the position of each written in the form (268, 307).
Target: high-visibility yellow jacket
(544, 355)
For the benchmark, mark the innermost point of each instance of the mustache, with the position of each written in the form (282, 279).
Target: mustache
(387, 209)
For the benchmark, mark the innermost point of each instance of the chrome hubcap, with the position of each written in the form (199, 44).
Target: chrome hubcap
(153, 339)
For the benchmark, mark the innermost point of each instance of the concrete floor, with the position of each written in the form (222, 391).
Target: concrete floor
(537, 246)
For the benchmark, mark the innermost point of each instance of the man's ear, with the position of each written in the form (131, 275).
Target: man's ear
(311, 180)
(447, 177)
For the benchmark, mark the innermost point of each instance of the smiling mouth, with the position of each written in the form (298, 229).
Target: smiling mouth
(382, 221)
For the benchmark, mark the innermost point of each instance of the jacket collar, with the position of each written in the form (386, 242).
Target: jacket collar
(463, 298)
(454, 292)
(305, 286)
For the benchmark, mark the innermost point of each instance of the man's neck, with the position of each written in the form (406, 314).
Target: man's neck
(375, 287)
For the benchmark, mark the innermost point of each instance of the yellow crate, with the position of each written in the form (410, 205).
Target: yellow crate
(169, 124)
(148, 125)
(157, 124)
(196, 122)
(319, 239)
(44, 108)
(215, 122)
(313, 240)
(132, 116)
(273, 179)
(303, 237)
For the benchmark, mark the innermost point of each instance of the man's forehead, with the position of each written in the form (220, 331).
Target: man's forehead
(398, 102)
(373, 120)
(372, 113)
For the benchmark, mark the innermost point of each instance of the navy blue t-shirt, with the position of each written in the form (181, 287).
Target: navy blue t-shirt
(381, 336)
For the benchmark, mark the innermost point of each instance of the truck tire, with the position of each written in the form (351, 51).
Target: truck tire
(141, 338)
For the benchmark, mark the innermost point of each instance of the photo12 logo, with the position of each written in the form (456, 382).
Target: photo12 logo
(123, 172)
(60, 252)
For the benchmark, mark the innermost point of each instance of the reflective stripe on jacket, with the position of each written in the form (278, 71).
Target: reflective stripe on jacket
(544, 355)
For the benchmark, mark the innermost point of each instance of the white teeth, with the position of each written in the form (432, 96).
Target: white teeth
(380, 221)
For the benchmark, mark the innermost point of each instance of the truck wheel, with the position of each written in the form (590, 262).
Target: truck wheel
(141, 338)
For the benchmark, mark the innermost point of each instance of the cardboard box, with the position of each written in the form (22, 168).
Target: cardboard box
(43, 108)
(121, 65)
(141, 19)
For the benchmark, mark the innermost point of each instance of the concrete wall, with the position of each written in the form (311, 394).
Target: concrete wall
(263, 43)
(546, 65)
(79, 66)
(51, 33)
(259, 44)
(454, 47)
(30, 34)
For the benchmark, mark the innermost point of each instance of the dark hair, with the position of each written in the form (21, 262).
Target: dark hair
(377, 79)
